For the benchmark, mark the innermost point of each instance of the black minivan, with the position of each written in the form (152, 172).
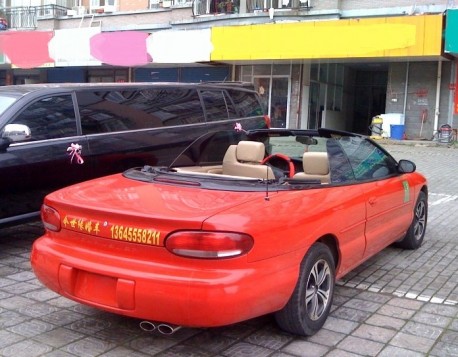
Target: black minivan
(54, 135)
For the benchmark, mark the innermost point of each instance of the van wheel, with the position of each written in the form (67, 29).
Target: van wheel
(309, 305)
(416, 232)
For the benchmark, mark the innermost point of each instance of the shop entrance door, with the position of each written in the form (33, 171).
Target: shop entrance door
(274, 93)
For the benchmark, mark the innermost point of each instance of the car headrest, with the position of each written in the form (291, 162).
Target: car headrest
(250, 151)
(315, 163)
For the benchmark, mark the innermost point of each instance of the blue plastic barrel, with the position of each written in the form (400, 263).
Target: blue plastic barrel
(397, 132)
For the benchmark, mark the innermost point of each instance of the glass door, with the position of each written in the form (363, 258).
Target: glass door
(274, 94)
(279, 102)
(262, 86)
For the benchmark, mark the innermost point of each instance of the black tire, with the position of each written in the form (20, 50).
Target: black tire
(416, 232)
(309, 305)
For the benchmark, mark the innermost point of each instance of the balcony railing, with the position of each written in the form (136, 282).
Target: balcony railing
(51, 11)
(208, 7)
(25, 17)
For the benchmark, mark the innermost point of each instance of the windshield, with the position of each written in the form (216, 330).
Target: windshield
(211, 148)
(5, 102)
(295, 146)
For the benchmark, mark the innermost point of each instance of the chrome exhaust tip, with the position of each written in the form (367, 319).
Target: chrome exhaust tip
(147, 326)
(167, 329)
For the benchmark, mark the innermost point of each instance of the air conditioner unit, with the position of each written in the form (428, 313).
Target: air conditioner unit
(166, 3)
(72, 13)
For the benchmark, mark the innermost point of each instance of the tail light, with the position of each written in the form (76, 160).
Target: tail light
(208, 245)
(267, 121)
(50, 218)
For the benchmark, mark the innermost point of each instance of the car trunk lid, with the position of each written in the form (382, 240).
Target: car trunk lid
(118, 208)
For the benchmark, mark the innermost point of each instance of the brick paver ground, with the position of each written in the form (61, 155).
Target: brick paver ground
(399, 303)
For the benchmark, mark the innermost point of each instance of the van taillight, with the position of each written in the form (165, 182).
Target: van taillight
(50, 218)
(268, 121)
(208, 245)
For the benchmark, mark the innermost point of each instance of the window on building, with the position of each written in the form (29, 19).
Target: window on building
(97, 3)
(103, 5)
(326, 91)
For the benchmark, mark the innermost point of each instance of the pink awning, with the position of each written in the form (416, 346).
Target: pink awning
(121, 48)
(26, 49)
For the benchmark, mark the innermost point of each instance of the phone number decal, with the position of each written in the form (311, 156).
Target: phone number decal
(135, 235)
(115, 231)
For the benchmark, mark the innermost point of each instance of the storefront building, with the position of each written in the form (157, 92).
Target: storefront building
(334, 67)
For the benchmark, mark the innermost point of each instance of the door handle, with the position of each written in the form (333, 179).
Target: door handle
(372, 201)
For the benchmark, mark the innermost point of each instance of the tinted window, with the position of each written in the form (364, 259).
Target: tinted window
(367, 160)
(108, 111)
(246, 103)
(218, 106)
(49, 118)
(340, 168)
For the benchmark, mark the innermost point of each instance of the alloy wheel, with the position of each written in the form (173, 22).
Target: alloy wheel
(420, 220)
(318, 289)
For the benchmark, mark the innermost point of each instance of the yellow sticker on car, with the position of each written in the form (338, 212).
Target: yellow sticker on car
(131, 234)
(135, 235)
(405, 184)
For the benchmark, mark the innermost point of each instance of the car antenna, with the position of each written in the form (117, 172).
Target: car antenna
(267, 198)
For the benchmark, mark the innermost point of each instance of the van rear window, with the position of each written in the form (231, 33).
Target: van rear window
(218, 105)
(246, 103)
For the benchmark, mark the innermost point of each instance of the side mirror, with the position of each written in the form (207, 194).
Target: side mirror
(406, 166)
(16, 132)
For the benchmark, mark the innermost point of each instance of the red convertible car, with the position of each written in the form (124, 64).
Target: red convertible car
(241, 224)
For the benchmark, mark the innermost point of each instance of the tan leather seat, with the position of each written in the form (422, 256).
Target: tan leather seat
(316, 167)
(244, 159)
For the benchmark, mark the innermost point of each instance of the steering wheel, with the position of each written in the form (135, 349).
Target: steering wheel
(291, 169)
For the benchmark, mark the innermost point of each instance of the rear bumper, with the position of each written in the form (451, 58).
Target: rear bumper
(175, 290)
